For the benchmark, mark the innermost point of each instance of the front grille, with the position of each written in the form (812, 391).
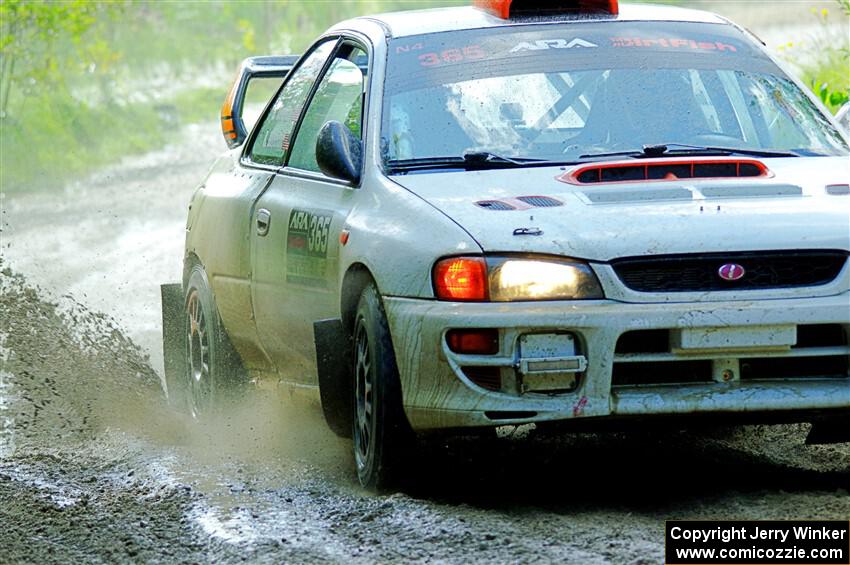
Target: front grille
(485, 377)
(824, 367)
(696, 273)
(658, 341)
(646, 357)
(661, 373)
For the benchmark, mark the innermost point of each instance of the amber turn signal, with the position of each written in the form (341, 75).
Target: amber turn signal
(461, 279)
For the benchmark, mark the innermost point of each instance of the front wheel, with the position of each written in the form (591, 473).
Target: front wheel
(381, 432)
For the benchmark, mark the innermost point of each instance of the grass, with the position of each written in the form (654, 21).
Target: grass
(53, 137)
(47, 137)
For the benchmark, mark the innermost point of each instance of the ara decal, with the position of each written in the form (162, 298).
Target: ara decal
(307, 247)
(542, 44)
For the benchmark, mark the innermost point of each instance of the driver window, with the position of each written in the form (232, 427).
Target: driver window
(272, 141)
(339, 97)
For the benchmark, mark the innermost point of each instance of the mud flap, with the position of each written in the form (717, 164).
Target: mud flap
(333, 361)
(829, 430)
(173, 340)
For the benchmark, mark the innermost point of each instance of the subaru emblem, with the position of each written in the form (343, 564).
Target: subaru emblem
(731, 272)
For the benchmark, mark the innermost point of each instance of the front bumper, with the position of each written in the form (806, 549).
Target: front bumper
(438, 394)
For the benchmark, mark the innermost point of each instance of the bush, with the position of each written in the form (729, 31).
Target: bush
(825, 65)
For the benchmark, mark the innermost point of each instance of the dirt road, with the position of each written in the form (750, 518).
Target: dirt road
(94, 467)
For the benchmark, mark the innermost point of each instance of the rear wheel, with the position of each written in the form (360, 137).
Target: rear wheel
(213, 369)
(382, 435)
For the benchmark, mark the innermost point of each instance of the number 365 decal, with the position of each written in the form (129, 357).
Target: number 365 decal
(307, 248)
(308, 233)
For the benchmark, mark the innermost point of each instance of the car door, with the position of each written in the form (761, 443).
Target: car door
(296, 257)
(217, 236)
(263, 157)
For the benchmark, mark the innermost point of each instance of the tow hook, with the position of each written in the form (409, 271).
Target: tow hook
(548, 362)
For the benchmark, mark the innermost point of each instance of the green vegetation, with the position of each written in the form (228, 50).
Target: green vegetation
(84, 83)
(830, 78)
(828, 73)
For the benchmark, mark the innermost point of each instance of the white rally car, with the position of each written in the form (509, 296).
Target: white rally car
(501, 214)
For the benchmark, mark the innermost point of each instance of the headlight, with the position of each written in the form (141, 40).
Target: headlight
(541, 279)
(506, 279)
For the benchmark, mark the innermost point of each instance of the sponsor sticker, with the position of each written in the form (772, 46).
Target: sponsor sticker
(542, 44)
(307, 247)
(673, 43)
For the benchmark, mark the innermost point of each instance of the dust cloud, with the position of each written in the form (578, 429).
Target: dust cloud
(70, 374)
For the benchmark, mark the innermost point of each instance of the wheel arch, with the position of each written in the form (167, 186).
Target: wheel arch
(356, 278)
(334, 352)
(189, 262)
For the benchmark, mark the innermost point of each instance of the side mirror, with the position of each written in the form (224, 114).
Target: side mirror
(339, 152)
(232, 123)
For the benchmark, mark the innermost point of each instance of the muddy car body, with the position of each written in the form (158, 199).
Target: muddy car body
(473, 217)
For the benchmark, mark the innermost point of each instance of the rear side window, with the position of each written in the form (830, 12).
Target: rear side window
(339, 97)
(273, 139)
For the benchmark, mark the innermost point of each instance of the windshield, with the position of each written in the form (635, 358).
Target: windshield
(561, 91)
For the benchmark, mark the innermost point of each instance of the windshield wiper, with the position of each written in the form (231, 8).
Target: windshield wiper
(683, 150)
(471, 160)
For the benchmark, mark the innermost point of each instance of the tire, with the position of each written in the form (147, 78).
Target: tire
(213, 370)
(382, 435)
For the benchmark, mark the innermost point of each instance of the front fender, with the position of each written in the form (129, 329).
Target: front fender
(398, 236)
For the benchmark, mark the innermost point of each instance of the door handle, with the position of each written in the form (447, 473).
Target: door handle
(264, 220)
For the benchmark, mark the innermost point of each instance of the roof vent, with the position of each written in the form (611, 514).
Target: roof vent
(665, 170)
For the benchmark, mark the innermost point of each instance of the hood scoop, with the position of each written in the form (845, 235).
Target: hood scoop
(656, 170)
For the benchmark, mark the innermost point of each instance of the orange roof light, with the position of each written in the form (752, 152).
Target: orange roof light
(461, 278)
(512, 8)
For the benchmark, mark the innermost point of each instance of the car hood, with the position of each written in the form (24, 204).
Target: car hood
(791, 208)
